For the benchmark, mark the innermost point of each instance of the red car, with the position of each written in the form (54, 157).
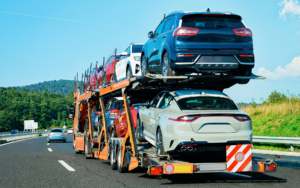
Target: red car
(121, 126)
(109, 68)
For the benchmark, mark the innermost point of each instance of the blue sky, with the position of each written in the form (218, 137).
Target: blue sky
(52, 40)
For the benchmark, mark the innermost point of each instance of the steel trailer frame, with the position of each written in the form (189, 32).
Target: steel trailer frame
(134, 153)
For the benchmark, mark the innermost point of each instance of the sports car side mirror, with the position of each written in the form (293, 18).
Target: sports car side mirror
(150, 34)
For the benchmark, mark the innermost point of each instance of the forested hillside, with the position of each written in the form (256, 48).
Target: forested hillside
(61, 86)
(48, 109)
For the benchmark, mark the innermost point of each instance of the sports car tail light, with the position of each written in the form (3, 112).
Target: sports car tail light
(156, 170)
(185, 31)
(189, 118)
(113, 112)
(243, 32)
(242, 118)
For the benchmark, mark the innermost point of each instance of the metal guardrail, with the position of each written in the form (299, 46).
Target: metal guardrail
(277, 140)
(23, 132)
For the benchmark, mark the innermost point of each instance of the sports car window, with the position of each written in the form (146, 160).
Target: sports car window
(137, 48)
(165, 101)
(128, 50)
(159, 28)
(169, 24)
(206, 103)
(156, 100)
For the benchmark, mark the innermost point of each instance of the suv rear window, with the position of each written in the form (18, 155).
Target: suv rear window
(212, 21)
(206, 103)
(56, 130)
(137, 48)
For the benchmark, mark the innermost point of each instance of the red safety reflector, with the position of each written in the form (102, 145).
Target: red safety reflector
(278, 156)
(185, 31)
(169, 168)
(195, 167)
(145, 159)
(97, 113)
(243, 32)
(186, 55)
(95, 141)
(156, 170)
(270, 167)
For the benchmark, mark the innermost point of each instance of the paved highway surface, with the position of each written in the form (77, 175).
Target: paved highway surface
(34, 163)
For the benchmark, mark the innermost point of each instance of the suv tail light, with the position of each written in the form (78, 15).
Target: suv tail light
(243, 32)
(113, 112)
(185, 31)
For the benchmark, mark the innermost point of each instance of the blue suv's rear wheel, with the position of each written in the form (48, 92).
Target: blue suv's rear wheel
(166, 69)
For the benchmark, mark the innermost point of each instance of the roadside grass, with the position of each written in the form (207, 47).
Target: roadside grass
(3, 141)
(277, 116)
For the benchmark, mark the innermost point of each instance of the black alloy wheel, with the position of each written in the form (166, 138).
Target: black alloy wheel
(144, 66)
(138, 130)
(166, 70)
(159, 144)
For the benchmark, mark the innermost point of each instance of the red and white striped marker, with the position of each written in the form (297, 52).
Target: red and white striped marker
(239, 158)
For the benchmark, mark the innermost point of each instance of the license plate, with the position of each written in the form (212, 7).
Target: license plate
(56, 134)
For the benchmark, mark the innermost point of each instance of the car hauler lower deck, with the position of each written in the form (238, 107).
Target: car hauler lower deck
(126, 154)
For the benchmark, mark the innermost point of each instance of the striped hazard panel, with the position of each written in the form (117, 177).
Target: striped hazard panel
(239, 158)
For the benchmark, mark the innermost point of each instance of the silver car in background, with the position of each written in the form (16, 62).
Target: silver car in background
(193, 121)
(56, 134)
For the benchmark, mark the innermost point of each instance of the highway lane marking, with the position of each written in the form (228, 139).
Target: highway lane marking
(66, 165)
(48, 144)
(50, 149)
(237, 174)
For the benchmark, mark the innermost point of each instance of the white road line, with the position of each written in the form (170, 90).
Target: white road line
(48, 144)
(50, 149)
(66, 165)
(237, 174)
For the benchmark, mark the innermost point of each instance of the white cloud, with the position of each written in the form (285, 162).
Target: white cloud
(290, 70)
(291, 7)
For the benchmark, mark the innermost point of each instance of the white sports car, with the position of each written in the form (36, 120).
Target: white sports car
(129, 64)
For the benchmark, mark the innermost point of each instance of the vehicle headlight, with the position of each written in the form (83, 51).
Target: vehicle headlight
(137, 58)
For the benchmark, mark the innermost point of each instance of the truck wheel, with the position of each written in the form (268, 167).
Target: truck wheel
(138, 130)
(159, 144)
(166, 70)
(113, 165)
(119, 159)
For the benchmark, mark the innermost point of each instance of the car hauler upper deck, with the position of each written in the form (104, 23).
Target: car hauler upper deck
(127, 153)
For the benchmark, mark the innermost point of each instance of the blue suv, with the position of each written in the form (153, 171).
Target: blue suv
(199, 42)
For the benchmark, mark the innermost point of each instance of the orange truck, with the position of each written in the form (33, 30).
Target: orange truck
(126, 154)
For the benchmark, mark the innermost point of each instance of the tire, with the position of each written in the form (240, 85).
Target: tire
(113, 165)
(138, 130)
(166, 70)
(144, 66)
(119, 159)
(245, 72)
(86, 142)
(128, 73)
(159, 144)
(64, 140)
(48, 141)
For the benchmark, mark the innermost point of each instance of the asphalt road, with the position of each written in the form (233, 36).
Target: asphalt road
(33, 163)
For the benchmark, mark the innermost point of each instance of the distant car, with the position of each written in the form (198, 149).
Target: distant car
(121, 125)
(199, 42)
(112, 109)
(56, 134)
(70, 130)
(129, 64)
(14, 132)
(108, 75)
